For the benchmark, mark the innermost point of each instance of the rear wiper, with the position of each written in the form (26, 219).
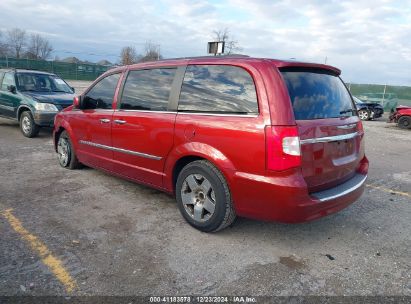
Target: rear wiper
(347, 111)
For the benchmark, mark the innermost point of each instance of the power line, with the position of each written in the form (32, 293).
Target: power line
(84, 53)
(25, 47)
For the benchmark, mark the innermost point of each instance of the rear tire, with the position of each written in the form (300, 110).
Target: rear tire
(404, 122)
(66, 154)
(203, 197)
(364, 114)
(27, 125)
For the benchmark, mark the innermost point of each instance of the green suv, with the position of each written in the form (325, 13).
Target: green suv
(32, 98)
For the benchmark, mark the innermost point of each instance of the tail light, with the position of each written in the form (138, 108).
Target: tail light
(363, 166)
(282, 147)
(360, 129)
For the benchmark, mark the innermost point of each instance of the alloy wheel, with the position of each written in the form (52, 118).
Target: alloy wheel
(198, 197)
(26, 125)
(63, 150)
(363, 115)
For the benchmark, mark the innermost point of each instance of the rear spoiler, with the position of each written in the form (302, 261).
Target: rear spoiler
(306, 66)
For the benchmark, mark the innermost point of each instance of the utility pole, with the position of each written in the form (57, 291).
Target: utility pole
(383, 95)
(325, 61)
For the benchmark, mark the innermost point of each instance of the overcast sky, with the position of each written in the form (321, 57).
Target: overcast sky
(369, 40)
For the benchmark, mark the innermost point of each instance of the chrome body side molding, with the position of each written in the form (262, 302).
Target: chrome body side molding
(135, 153)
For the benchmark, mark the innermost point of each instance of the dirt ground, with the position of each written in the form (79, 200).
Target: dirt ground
(113, 237)
(79, 85)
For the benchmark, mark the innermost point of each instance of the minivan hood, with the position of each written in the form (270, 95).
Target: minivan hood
(57, 98)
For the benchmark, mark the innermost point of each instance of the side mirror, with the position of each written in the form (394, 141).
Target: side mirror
(12, 89)
(73, 89)
(77, 102)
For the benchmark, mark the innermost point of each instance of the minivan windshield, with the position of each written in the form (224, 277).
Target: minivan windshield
(317, 95)
(36, 82)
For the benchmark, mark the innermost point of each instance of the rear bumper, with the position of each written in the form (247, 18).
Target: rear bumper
(44, 119)
(286, 198)
(341, 190)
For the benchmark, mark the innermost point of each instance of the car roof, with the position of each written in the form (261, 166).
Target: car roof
(232, 59)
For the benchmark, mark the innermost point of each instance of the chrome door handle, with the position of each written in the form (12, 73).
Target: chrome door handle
(119, 121)
(104, 120)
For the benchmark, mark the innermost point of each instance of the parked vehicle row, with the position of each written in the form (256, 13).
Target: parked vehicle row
(32, 98)
(228, 136)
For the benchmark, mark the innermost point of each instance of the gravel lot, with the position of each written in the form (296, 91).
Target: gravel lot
(79, 85)
(115, 237)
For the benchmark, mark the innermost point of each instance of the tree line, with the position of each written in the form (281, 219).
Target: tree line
(151, 52)
(20, 44)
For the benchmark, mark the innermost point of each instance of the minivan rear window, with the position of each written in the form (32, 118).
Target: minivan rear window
(317, 95)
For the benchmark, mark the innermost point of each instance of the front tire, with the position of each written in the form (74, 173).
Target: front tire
(203, 197)
(27, 125)
(66, 154)
(364, 114)
(404, 122)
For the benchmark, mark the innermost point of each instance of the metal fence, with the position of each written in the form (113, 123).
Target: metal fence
(73, 71)
(387, 95)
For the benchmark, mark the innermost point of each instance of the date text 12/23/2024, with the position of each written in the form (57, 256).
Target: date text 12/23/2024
(202, 299)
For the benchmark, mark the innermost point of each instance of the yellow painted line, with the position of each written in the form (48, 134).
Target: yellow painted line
(389, 190)
(53, 263)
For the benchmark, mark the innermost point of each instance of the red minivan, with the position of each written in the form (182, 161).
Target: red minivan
(228, 136)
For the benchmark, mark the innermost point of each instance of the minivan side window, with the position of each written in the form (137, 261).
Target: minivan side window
(218, 89)
(102, 93)
(147, 89)
(8, 80)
